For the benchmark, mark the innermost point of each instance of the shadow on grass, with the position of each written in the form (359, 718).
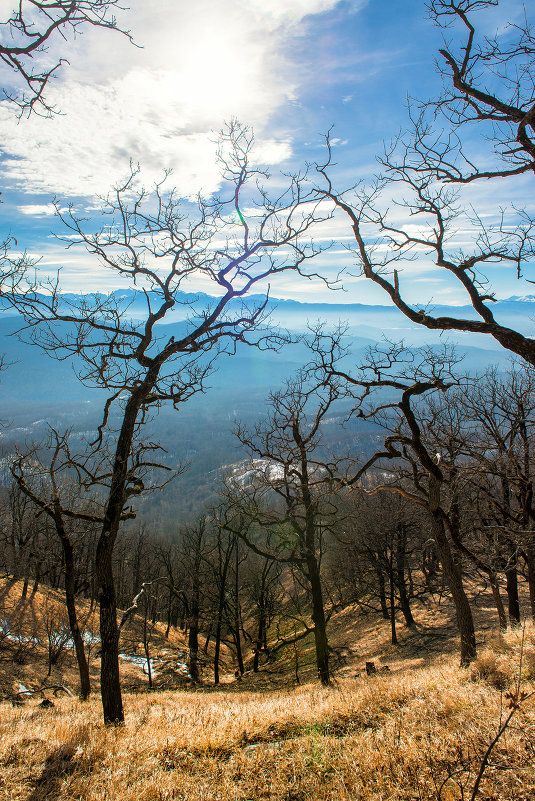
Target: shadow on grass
(59, 764)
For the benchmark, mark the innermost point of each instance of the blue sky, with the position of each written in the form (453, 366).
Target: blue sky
(289, 68)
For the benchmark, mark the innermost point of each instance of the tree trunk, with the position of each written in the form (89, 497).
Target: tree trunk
(260, 630)
(110, 684)
(382, 593)
(83, 668)
(237, 621)
(318, 616)
(394, 636)
(513, 602)
(207, 640)
(401, 558)
(217, 645)
(193, 636)
(224, 562)
(530, 561)
(37, 579)
(452, 576)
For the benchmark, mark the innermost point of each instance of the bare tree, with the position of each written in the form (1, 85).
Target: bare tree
(50, 484)
(186, 569)
(282, 505)
(388, 387)
(489, 423)
(35, 26)
(151, 241)
(489, 84)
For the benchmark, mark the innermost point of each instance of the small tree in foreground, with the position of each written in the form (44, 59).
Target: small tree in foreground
(150, 241)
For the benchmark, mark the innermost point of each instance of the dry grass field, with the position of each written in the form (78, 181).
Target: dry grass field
(416, 733)
(419, 731)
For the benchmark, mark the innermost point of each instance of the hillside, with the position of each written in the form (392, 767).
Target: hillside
(419, 734)
(417, 731)
(31, 629)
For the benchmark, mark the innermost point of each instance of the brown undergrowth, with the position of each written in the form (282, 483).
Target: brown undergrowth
(27, 626)
(419, 733)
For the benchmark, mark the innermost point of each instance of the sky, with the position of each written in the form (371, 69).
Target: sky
(290, 69)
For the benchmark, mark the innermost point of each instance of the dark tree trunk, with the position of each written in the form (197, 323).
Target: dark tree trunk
(530, 562)
(401, 560)
(83, 668)
(318, 617)
(217, 649)
(430, 567)
(393, 635)
(260, 632)
(37, 579)
(110, 684)
(169, 605)
(513, 602)
(452, 576)
(193, 636)
(237, 616)
(382, 593)
(224, 563)
(193, 646)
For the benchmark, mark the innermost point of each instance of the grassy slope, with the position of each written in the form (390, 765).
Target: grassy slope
(419, 732)
(392, 736)
(30, 619)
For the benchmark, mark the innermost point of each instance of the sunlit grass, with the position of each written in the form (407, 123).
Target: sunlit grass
(397, 735)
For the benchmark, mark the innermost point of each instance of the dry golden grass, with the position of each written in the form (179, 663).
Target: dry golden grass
(394, 736)
(30, 618)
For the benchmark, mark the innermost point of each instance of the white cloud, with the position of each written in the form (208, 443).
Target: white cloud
(37, 209)
(199, 65)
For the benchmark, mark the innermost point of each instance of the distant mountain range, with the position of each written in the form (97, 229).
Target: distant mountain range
(37, 390)
(366, 321)
(34, 377)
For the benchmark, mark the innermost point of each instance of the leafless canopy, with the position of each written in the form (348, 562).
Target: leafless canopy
(487, 80)
(33, 29)
(419, 202)
(158, 244)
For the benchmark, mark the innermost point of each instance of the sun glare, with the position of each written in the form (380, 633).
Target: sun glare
(219, 74)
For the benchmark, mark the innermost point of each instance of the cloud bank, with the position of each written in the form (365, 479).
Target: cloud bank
(159, 104)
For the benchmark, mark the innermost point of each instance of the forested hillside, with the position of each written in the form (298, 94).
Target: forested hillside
(289, 545)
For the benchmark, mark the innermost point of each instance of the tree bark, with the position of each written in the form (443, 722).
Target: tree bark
(237, 621)
(453, 576)
(318, 617)
(401, 558)
(382, 593)
(513, 601)
(110, 684)
(393, 632)
(530, 561)
(83, 668)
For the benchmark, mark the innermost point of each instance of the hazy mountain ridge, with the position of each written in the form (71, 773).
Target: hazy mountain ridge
(36, 390)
